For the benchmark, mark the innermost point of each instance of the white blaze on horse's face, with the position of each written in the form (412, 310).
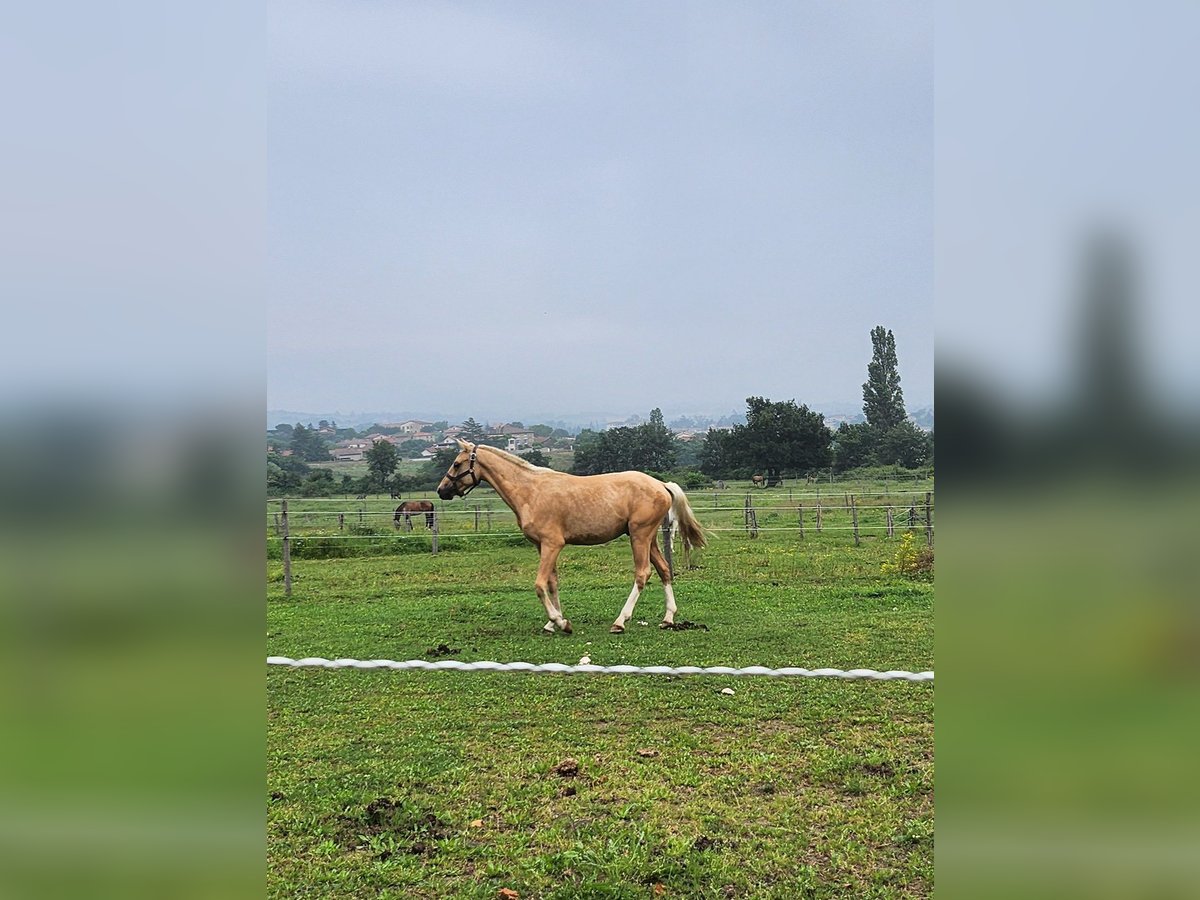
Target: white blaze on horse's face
(456, 481)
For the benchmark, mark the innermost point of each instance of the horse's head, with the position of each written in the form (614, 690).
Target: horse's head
(461, 477)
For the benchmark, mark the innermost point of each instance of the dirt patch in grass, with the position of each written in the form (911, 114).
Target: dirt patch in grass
(683, 625)
(443, 650)
(412, 829)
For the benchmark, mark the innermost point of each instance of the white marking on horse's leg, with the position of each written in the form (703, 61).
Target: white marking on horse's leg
(669, 617)
(548, 628)
(627, 610)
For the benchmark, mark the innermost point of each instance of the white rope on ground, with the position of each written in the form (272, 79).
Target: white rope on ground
(563, 669)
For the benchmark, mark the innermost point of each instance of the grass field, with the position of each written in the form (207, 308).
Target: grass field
(411, 784)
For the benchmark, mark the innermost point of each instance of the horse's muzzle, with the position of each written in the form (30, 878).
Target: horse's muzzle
(446, 492)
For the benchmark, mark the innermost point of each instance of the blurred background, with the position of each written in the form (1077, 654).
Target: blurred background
(1067, 394)
(131, 382)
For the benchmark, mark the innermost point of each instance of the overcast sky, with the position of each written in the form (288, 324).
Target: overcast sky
(512, 209)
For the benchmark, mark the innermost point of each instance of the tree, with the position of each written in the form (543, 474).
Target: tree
(472, 431)
(780, 436)
(904, 445)
(537, 457)
(319, 483)
(646, 447)
(382, 460)
(656, 443)
(439, 463)
(717, 454)
(285, 474)
(853, 446)
(307, 444)
(883, 401)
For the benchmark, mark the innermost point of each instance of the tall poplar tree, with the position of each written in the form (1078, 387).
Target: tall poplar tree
(883, 401)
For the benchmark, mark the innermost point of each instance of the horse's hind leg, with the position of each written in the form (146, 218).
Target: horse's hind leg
(664, 572)
(641, 573)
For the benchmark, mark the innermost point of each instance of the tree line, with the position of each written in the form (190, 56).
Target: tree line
(778, 438)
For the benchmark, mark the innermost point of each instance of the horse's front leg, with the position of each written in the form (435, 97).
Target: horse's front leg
(547, 586)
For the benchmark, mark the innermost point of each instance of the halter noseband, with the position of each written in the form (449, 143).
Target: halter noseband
(461, 475)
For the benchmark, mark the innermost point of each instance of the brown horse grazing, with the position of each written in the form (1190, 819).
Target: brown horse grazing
(410, 508)
(757, 480)
(554, 509)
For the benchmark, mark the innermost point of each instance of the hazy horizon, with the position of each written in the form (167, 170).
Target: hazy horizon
(568, 208)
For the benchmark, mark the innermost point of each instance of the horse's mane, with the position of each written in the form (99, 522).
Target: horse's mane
(512, 458)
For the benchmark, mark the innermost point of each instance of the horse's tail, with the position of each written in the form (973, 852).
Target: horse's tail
(681, 515)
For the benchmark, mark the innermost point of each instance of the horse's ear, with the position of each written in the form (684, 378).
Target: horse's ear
(463, 445)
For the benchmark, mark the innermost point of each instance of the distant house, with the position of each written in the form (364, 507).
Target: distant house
(351, 450)
(393, 439)
(412, 426)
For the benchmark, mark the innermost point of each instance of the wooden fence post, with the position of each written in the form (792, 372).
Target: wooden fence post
(891, 523)
(854, 519)
(746, 512)
(819, 523)
(928, 520)
(436, 517)
(341, 521)
(668, 549)
(751, 518)
(912, 515)
(800, 514)
(278, 531)
(287, 553)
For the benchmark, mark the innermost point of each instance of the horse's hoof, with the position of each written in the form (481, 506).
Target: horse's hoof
(566, 626)
(617, 629)
(665, 624)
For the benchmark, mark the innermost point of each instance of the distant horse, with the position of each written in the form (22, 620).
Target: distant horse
(410, 508)
(554, 509)
(757, 480)
(396, 494)
(720, 485)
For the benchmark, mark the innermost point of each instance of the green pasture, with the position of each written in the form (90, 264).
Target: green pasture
(413, 784)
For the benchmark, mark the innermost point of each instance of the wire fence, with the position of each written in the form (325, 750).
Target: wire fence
(860, 514)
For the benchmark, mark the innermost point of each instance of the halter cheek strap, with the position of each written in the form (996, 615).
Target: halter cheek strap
(469, 471)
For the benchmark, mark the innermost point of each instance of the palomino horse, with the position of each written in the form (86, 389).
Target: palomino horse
(554, 509)
(410, 508)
